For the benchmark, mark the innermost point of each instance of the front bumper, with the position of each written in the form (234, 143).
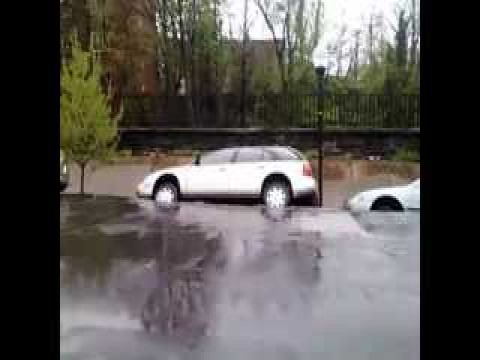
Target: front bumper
(64, 178)
(354, 206)
(145, 191)
(63, 186)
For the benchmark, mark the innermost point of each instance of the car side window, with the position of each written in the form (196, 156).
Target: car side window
(280, 153)
(268, 155)
(249, 155)
(223, 156)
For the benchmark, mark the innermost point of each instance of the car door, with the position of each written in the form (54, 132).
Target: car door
(210, 177)
(247, 172)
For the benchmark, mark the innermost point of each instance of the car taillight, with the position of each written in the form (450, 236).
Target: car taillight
(307, 169)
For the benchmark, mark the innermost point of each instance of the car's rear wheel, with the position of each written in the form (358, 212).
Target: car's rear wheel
(276, 194)
(166, 194)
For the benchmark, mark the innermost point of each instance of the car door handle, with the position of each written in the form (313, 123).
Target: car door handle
(221, 169)
(261, 167)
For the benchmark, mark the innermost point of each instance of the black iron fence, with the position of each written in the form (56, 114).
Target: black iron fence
(273, 110)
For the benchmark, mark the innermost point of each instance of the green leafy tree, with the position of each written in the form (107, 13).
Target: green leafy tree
(87, 128)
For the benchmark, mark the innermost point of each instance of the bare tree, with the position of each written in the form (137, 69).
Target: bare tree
(414, 33)
(172, 64)
(191, 44)
(372, 40)
(243, 65)
(354, 63)
(295, 31)
(337, 49)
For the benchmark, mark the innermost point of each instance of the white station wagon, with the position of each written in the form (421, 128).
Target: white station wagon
(274, 174)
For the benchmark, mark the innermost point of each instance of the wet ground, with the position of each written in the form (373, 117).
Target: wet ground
(236, 282)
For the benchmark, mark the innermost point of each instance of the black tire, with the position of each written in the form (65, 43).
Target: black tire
(166, 194)
(386, 204)
(281, 197)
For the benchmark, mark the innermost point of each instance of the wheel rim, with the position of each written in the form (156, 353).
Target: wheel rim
(276, 196)
(165, 195)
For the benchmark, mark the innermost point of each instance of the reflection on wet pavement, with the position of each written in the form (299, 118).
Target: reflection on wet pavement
(207, 281)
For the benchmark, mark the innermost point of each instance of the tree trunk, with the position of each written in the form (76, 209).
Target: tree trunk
(193, 63)
(243, 90)
(414, 37)
(82, 179)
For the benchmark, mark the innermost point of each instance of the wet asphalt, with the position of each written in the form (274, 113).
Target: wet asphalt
(305, 283)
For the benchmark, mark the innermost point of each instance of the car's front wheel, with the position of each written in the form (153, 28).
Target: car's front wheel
(276, 194)
(386, 204)
(166, 194)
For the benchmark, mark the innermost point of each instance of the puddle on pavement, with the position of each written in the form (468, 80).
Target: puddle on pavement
(207, 281)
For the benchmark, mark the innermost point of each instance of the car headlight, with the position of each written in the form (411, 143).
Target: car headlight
(357, 199)
(64, 169)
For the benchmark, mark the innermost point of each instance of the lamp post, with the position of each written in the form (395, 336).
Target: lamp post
(320, 72)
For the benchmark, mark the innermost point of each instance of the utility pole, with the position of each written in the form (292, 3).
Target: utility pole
(243, 70)
(320, 95)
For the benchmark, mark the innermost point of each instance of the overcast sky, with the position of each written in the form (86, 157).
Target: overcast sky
(335, 12)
